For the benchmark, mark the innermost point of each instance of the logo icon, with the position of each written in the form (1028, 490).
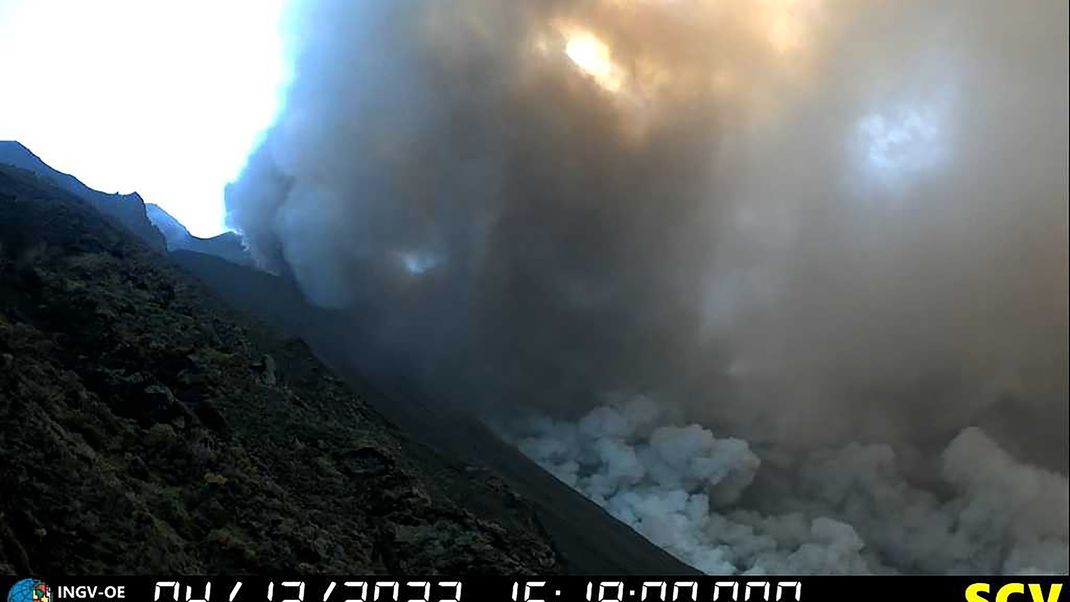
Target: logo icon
(29, 590)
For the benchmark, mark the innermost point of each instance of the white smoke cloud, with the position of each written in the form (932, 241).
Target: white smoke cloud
(846, 510)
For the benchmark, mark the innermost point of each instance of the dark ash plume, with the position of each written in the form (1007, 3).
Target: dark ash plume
(804, 223)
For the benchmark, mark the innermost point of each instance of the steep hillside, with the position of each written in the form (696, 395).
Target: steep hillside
(149, 222)
(128, 210)
(467, 461)
(144, 427)
(227, 245)
(587, 538)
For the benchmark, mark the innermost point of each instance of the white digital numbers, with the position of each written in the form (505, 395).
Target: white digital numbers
(654, 591)
(670, 591)
(386, 589)
(295, 587)
(529, 591)
(608, 591)
(393, 591)
(686, 588)
(295, 591)
(392, 586)
(172, 589)
(660, 587)
(759, 591)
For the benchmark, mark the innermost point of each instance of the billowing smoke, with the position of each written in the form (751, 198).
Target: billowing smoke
(804, 223)
(845, 510)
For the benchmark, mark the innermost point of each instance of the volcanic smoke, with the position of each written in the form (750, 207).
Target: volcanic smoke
(782, 284)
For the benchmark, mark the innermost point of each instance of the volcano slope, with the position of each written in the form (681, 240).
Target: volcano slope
(587, 538)
(147, 427)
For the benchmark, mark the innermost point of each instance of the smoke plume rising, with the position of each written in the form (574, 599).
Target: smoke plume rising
(804, 223)
(845, 510)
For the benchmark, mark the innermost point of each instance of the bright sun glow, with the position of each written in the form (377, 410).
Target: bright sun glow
(783, 28)
(786, 22)
(592, 56)
(166, 98)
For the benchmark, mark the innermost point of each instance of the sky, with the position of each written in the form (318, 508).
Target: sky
(163, 98)
(168, 99)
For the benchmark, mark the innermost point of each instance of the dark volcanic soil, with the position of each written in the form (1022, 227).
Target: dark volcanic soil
(146, 428)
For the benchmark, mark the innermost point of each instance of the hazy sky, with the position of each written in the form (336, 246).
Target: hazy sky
(165, 98)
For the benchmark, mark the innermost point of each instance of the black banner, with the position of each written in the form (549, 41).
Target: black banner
(531, 589)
